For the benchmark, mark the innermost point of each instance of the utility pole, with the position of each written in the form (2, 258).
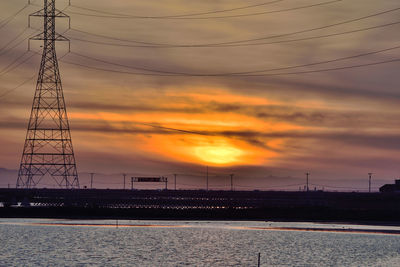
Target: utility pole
(207, 180)
(91, 180)
(131, 183)
(124, 174)
(307, 175)
(231, 181)
(48, 145)
(369, 181)
(175, 181)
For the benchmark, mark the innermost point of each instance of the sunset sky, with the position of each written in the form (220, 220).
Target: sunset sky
(218, 83)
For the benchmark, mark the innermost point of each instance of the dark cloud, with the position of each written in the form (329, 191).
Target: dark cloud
(352, 135)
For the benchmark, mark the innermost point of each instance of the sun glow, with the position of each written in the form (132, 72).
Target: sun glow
(219, 128)
(218, 154)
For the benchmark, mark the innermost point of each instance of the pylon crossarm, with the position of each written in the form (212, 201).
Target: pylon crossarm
(41, 37)
(60, 14)
(61, 38)
(42, 13)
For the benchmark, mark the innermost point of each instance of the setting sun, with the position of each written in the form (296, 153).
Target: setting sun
(218, 154)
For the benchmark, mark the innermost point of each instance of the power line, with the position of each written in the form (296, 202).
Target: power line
(170, 129)
(200, 175)
(4, 70)
(214, 75)
(339, 187)
(328, 69)
(168, 46)
(313, 37)
(188, 16)
(26, 81)
(9, 68)
(16, 87)
(14, 46)
(9, 19)
(326, 61)
(246, 72)
(243, 42)
(273, 186)
(312, 29)
(114, 38)
(175, 16)
(268, 12)
(12, 40)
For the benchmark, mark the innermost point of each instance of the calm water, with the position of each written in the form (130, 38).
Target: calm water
(174, 243)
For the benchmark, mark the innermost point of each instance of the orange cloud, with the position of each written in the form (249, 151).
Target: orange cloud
(213, 148)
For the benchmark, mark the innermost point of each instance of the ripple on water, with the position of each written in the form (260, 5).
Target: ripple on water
(168, 243)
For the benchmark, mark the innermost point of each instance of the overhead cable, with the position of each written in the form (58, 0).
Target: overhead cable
(3, 50)
(7, 92)
(189, 16)
(243, 72)
(245, 41)
(10, 67)
(10, 18)
(34, 53)
(178, 16)
(243, 75)
(161, 46)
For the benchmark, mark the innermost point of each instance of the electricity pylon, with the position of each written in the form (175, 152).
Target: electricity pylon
(48, 147)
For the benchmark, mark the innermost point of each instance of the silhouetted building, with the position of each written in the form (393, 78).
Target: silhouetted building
(391, 187)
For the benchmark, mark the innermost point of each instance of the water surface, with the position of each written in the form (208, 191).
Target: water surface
(44, 242)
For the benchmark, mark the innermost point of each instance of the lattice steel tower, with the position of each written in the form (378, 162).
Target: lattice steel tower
(48, 148)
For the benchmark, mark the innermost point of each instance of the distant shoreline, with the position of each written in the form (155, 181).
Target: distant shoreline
(187, 215)
(349, 228)
(328, 207)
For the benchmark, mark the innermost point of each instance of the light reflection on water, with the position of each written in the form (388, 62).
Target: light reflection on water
(30, 242)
